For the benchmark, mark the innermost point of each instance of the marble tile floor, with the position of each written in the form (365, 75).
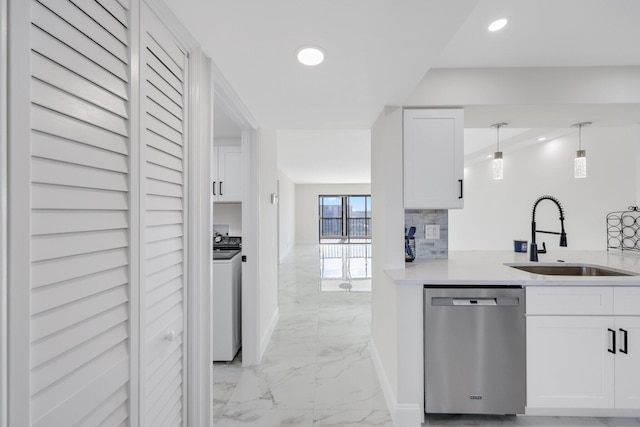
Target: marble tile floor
(317, 370)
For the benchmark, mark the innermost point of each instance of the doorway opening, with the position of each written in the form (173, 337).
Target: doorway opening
(344, 218)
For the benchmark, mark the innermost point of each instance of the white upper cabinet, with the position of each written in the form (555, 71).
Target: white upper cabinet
(227, 173)
(433, 158)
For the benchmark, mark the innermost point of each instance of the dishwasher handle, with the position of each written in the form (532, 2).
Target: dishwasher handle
(474, 302)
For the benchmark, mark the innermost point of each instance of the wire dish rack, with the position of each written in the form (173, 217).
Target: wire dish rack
(623, 229)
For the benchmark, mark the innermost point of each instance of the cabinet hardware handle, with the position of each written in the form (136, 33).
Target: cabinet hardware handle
(612, 337)
(624, 349)
(460, 196)
(214, 188)
(221, 188)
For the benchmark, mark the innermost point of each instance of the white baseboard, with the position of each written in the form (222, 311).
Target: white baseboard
(387, 391)
(581, 412)
(408, 415)
(266, 337)
(285, 254)
(403, 415)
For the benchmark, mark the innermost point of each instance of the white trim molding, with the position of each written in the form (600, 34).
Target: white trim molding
(385, 384)
(268, 333)
(235, 109)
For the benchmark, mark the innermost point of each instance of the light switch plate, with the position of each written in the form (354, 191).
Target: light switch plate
(431, 232)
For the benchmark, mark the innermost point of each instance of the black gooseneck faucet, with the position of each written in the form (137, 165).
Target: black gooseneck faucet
(533, 252)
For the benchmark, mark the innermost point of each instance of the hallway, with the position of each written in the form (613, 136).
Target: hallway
(317, 370)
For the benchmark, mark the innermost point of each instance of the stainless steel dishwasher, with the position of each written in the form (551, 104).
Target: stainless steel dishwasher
(474, 350)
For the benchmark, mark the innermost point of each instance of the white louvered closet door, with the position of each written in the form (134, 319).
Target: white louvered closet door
(164, 99)
(78, 358)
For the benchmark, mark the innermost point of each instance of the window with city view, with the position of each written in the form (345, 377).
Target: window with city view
(345, 219)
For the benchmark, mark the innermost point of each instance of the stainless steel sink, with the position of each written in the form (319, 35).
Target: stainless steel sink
(570, 270)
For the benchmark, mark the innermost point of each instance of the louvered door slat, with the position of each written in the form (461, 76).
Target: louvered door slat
(49, 171)
(163, 99)
(60, 29)
(79, 402)
(157, 60)
(82, 354)
(61, 102)
(55, 148)
(117, 8)
(161, 114)
(160, 128)
(156, 81)
(161, 41)
(47, 272)
(49, 297)
(57, 320)
(53, 346)
(106, 19)
(52, 123)
(87, 26)
(161, 277)
(164, 218)
(53, 246)
(164, 174)
(112, 412)
(46, 70)
(60, 53)
(72, 221)
(60, 197)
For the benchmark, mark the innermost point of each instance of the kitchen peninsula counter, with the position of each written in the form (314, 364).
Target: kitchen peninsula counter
(481, 268)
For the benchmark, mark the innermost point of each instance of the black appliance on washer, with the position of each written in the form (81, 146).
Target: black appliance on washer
(226, 247)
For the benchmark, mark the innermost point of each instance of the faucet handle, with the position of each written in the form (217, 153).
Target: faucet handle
(544, 249)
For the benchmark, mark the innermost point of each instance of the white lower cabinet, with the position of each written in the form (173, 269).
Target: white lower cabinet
(568, 365)
(627, 378)
(585, 361)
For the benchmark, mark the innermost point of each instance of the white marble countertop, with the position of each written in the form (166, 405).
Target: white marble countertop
(481, 268)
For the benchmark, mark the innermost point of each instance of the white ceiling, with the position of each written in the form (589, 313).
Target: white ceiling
(325, 156)
(379, 50)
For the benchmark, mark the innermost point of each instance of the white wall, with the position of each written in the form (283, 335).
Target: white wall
(268, 241)
(497, 212)
(286, 215)
(528, 86)
(307, 218)
(387, 216)
(229, 213)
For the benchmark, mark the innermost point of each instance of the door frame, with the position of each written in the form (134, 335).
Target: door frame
(233, 106)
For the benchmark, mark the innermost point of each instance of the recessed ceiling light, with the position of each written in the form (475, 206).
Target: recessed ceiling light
(542, 138)
(497, 25)
(310, 55)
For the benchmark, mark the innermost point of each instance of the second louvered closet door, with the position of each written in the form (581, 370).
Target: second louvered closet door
(163, 73)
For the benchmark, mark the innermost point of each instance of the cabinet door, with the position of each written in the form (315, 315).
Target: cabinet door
(568, 362)
(433, 158)
(229, 174)
(628, 362)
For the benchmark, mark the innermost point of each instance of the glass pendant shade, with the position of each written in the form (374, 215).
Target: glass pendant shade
(498, 167)
(580, 164)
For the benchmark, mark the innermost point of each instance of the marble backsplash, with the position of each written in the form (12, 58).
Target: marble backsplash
(429, 248)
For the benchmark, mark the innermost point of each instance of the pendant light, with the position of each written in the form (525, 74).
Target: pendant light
(498, 167)
(580, 162)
